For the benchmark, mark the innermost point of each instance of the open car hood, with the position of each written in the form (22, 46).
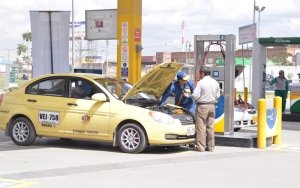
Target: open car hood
(156, 81)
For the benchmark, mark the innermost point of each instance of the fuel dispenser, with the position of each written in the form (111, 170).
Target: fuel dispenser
(224, 122)
(218, 74)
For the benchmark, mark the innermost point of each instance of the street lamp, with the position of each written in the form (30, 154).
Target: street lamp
(254, 11)
(259, 10)
(187, 45)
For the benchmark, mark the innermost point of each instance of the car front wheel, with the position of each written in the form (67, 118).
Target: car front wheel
(131, 138)
(22, 131)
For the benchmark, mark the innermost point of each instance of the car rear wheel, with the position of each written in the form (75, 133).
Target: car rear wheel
(22, 131)
(131, 138)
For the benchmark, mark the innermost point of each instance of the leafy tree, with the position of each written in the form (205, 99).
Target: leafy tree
(281, 59)
(27, 36)
(21, 49)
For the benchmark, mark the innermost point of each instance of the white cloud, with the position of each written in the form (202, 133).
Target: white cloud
(162, 19)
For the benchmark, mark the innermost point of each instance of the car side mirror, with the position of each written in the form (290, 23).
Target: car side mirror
(100, 97)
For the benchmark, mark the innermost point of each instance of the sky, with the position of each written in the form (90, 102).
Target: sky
(161, 20)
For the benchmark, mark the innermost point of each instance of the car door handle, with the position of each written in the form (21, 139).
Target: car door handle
(31, 100)
(72, 104)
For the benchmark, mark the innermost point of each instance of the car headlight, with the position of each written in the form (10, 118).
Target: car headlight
(161, 117)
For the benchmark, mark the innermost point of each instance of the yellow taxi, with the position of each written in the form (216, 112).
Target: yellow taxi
(94, 107)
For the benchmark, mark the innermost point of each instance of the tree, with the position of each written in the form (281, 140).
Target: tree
(281, 59)
(23, 50)
(27, 36)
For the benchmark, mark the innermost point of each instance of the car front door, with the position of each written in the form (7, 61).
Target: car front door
(86, 118)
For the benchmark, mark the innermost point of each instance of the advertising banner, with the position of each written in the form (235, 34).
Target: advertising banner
(247, 33)
(101, 24)
(50, 42)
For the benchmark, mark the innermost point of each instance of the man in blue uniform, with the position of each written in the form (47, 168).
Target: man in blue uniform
(182, 88)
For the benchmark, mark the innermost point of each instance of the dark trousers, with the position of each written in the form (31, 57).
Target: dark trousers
(283, 95)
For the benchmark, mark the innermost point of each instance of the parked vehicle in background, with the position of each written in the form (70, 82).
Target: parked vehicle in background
(245, 115)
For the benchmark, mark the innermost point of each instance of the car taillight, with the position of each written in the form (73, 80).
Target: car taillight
(1, 98)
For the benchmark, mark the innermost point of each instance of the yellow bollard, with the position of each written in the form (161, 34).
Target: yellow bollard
(261, 124)
(246, 94)
(278, 106)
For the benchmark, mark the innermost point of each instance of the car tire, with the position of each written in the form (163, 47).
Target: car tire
(22, 131)
(237, 129)
(131, 138)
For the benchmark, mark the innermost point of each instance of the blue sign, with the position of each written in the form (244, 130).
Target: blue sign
(220, 107)
(271, 118)
(124, 71)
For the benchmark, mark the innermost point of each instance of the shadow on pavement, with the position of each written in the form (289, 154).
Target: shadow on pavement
(86, 145)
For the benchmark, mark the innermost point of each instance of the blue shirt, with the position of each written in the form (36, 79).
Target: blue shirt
(180, 100)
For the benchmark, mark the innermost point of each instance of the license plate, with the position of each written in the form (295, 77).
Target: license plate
(46, 117)
(190, 131)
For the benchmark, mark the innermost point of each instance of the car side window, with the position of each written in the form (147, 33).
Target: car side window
(49, 87)
(82, 89)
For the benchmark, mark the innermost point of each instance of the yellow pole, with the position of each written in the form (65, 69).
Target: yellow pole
(234, 94)
(278, 106)
(261, 124)
(129, 34)
(245, 94)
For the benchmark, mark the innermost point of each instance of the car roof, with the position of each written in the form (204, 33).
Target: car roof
(78, 75)
(89, 75)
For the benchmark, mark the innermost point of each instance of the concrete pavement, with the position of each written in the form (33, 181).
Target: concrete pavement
(56, 163)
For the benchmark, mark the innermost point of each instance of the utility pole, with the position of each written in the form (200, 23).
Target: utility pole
(73, 59)
(182, 34)
(187, 55)
(106, 58)
(254, 11)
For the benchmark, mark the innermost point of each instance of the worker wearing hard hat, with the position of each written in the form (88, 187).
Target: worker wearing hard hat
(182, 89)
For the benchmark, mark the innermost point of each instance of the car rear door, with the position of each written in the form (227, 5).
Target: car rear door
(46, 104)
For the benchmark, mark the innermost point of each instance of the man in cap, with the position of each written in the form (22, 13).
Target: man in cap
(182, 88)
(206, 94)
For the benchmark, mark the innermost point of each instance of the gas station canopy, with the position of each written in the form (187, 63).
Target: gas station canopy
(279, 41)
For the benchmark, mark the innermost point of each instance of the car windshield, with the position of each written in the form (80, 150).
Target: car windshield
(118, 88)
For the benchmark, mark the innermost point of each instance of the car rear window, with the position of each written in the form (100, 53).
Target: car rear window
(51, 87)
